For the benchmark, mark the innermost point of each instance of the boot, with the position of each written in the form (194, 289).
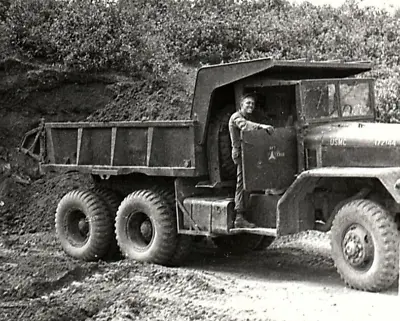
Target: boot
(241, 222)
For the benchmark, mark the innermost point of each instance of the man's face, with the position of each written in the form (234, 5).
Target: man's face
(247, 105)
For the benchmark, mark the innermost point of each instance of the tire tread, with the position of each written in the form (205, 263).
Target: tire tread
(167, 222)
(99, 220)
(387, 242)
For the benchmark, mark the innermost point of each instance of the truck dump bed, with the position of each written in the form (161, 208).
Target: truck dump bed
(161, 148)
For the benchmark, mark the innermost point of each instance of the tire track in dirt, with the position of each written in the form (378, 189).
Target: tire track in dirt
(162, 293)
(30, 272)
(294, 279)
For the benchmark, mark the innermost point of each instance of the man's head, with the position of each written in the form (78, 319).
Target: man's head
(247, 104)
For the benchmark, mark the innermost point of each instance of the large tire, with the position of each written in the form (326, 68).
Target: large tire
(146, 228)
(238, 244)
(220, 123)
(364, 241)
(183, 242)
(112, 200)
(83, 225)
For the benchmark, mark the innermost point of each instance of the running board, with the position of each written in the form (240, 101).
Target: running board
(257, 230)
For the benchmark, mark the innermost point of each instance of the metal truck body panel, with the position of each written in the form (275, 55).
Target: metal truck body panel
(211, 214)
(351, 144)
(269, 161)
(292, 214)
(116, 148)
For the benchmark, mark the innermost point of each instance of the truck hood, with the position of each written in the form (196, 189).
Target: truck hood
(353, 144)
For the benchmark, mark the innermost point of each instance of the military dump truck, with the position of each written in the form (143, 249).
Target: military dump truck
(158, 185)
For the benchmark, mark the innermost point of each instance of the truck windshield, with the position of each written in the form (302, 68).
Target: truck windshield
(337, 99)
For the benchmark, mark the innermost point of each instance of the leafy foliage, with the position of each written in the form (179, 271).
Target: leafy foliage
(4, 5)
(150, 38)
(29, 24)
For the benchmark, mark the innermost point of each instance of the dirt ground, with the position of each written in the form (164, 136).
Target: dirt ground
(294, 279)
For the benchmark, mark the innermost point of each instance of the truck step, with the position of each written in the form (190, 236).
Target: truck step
(257, 230)
(208, 184)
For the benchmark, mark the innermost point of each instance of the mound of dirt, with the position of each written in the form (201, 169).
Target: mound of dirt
(29, 92)
(32, 91)
(30, 206)
(39, 282)
(141, 100)
(155, 99)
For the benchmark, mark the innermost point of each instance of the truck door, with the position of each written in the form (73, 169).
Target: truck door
(269, 161)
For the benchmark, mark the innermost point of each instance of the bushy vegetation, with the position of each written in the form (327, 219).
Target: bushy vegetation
(149, 38)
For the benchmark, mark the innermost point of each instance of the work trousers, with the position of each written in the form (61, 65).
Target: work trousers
(239, 193)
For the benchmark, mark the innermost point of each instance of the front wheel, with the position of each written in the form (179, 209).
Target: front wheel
(146, 228)
(364, 241)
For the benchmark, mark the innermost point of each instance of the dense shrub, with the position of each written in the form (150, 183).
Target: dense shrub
(387, 93)
(87, 35)
(100, 34)
(29, 23)
(4, 5)
(148, 38)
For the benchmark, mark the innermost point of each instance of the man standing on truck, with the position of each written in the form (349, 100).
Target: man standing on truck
(242, 120)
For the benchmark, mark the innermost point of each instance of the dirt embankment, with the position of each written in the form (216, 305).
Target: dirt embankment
(31, 91)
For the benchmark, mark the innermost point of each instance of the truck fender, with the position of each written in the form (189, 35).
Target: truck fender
(292, 216)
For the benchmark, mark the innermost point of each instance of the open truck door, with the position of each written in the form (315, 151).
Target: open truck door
(269, 161)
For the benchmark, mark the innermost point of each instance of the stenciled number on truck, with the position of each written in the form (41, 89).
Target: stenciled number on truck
(389, 142)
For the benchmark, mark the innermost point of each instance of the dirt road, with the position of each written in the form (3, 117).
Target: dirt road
(294, 279)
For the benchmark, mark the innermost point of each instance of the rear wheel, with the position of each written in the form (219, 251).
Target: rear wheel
(183, 242)
(83, 225)
(364, 241)
(112, 200)
(220, 124)
(146, 228)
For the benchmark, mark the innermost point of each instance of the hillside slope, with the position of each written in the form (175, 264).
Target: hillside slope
(31, 91)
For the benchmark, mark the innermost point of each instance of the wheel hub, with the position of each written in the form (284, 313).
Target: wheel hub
(78, 227)
(140, 230)
(147, 230)
(358, 247)
(83, 226)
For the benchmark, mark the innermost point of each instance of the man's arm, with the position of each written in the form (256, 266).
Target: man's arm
(247, 125)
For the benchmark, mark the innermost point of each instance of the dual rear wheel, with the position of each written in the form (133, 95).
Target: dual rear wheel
(84, 225)
(94, 225)
(146, 227)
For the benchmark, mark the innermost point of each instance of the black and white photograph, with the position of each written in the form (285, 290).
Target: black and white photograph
(199, 160)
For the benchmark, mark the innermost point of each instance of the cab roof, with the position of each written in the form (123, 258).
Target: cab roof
(212, 77)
